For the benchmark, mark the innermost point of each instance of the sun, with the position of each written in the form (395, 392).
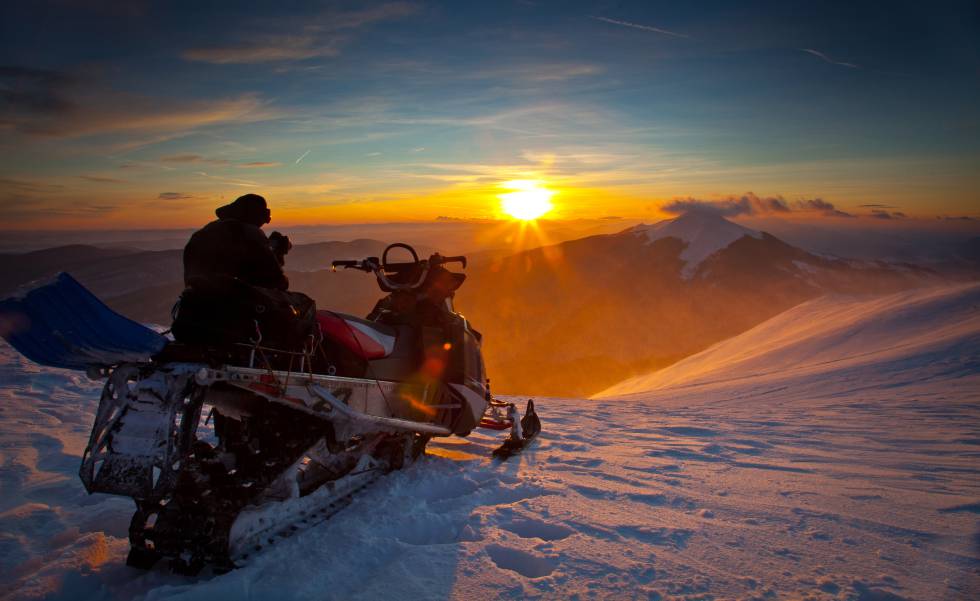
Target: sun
(528, 201)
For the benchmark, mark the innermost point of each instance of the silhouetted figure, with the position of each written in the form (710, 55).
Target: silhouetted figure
(236, 289)
(234, 245)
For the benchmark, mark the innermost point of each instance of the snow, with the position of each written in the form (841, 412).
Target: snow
(837, 459)
(881, 337)
(704, 233)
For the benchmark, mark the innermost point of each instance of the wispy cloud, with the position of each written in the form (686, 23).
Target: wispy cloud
(29, 186)
(883, 214)
(228, 180)
(101, 179)
(539, 72)
(192, 158)
(827, 59)
(641, 27)
(174, 196)
(321, 36)
(260, 165)
(57, 104)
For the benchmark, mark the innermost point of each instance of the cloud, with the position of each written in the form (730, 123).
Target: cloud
(28, 186)
(724, 208)
(37, 91)
(319, 36)
(827, 59)
(878, 206)
(751, 204)
(747, 204)
(39, 102)
(101, 180)
(259, 165)
(883, 214)
(641, 27)
(228, 180)
(539, 72)
(192, 159)
(174, 196)
(822, 206)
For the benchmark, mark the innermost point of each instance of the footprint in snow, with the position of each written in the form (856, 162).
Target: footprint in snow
(522, 562)
(529, 528)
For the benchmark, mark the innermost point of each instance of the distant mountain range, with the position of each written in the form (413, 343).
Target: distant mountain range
(574, 318)
(563, 320)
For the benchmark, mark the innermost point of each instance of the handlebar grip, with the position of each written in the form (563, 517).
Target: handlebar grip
(457, 259)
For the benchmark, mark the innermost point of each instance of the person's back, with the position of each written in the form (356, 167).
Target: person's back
(234, 246)
(236, 289)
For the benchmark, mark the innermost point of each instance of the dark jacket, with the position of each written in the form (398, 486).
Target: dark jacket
(235, 248)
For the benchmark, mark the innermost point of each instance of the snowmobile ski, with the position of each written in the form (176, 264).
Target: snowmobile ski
(524, 431)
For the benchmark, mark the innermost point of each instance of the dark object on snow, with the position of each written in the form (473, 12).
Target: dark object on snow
(235, 246)
(61, 324)
(521, 436)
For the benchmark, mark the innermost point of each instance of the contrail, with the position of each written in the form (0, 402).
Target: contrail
(643, 27)
(302, 156)
(827, 59)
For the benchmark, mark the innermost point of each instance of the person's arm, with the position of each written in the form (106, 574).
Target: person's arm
(263, 266)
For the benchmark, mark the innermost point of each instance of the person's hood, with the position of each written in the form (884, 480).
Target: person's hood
(250, 208)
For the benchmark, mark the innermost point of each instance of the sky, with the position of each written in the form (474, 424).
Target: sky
(149, 115)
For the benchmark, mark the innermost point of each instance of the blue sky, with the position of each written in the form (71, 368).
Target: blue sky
(138, 114)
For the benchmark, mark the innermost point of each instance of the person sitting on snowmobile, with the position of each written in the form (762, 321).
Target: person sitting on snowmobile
(236, 288)
(234, 245)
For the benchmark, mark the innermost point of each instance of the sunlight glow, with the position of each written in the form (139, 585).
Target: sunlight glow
(528, 201)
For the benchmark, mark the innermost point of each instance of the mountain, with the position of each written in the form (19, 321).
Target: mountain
(575, 318)
(703, 236)
(829, 453)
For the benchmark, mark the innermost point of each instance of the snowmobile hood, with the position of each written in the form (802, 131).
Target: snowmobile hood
(366, 339)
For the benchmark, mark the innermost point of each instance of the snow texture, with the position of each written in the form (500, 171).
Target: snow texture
(836, 459)
(704, 233)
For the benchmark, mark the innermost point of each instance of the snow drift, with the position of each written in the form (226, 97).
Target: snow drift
(833, 337)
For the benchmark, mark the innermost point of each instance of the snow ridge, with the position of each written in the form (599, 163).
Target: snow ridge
(830, 336)
(704, 233)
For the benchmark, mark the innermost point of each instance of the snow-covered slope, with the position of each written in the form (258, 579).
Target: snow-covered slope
(832, 336)
(861, 483)
(703, 233)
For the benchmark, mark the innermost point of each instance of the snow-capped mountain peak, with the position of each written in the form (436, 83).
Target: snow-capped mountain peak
(704, 233)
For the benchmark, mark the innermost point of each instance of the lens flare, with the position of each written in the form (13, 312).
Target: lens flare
(528, 201)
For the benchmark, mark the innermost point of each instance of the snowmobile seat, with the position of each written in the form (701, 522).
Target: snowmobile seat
(61, 324)
(366, 339)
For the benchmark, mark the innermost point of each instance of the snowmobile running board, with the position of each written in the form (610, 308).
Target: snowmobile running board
(321, 395)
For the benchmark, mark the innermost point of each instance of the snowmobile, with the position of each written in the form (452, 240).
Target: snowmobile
(227, 448)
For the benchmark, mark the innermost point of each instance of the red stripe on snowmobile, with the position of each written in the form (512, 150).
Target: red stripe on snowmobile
(356, 341)
(491, 424)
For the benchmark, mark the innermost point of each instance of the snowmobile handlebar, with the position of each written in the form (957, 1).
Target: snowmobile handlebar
(381, 268)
